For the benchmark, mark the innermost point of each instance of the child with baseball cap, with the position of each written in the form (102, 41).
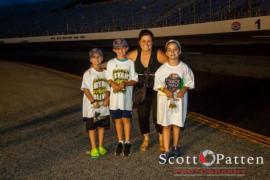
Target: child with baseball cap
(121, 77)
(96, 102)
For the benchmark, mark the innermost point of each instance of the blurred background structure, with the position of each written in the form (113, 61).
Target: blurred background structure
(55, 17)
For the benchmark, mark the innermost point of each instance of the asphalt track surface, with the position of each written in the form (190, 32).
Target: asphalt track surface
(43, 136)
(238, 100)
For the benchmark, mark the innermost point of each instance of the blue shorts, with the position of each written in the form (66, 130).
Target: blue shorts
(117, 114)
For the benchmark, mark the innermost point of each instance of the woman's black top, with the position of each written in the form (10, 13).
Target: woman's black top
(141, 70)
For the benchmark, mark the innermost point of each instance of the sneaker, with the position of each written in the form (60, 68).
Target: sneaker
(93, 153)
(127, 149)
(102, 151)
(175, 152)
(119, 149)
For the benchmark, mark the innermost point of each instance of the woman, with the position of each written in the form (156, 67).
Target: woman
(150, 59)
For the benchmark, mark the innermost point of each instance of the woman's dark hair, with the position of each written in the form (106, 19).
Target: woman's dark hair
(145, 32)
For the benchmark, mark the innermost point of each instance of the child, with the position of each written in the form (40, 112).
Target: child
(172, 81)
(121, 76)
(95, 102)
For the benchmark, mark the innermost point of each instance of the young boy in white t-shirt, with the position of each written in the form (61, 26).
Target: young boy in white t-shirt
(121, 76)
(96, 102)
(172, 81)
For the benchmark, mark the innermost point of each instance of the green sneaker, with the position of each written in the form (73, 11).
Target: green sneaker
(102, 150)
(93, 153)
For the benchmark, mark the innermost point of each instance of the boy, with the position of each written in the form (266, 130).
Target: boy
(172, 81)
(95, 102)
(121, 76)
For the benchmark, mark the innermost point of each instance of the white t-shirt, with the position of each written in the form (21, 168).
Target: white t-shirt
(172, 77)
(97, 84)
(119, 71)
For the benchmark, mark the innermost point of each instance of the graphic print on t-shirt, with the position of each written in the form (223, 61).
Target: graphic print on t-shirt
(119, 76)
(174, 82)
(99, 88)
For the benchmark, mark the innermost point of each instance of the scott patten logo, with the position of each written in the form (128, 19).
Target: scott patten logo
(207, 157)
(208, 163)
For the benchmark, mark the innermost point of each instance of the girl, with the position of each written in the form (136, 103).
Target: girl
(172, 81)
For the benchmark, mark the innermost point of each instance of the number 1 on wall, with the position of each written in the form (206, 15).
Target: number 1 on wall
(258, 22)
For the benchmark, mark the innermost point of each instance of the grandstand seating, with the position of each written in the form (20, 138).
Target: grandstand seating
(69, 16)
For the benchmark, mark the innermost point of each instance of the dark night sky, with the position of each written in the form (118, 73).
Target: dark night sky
(12, 2)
